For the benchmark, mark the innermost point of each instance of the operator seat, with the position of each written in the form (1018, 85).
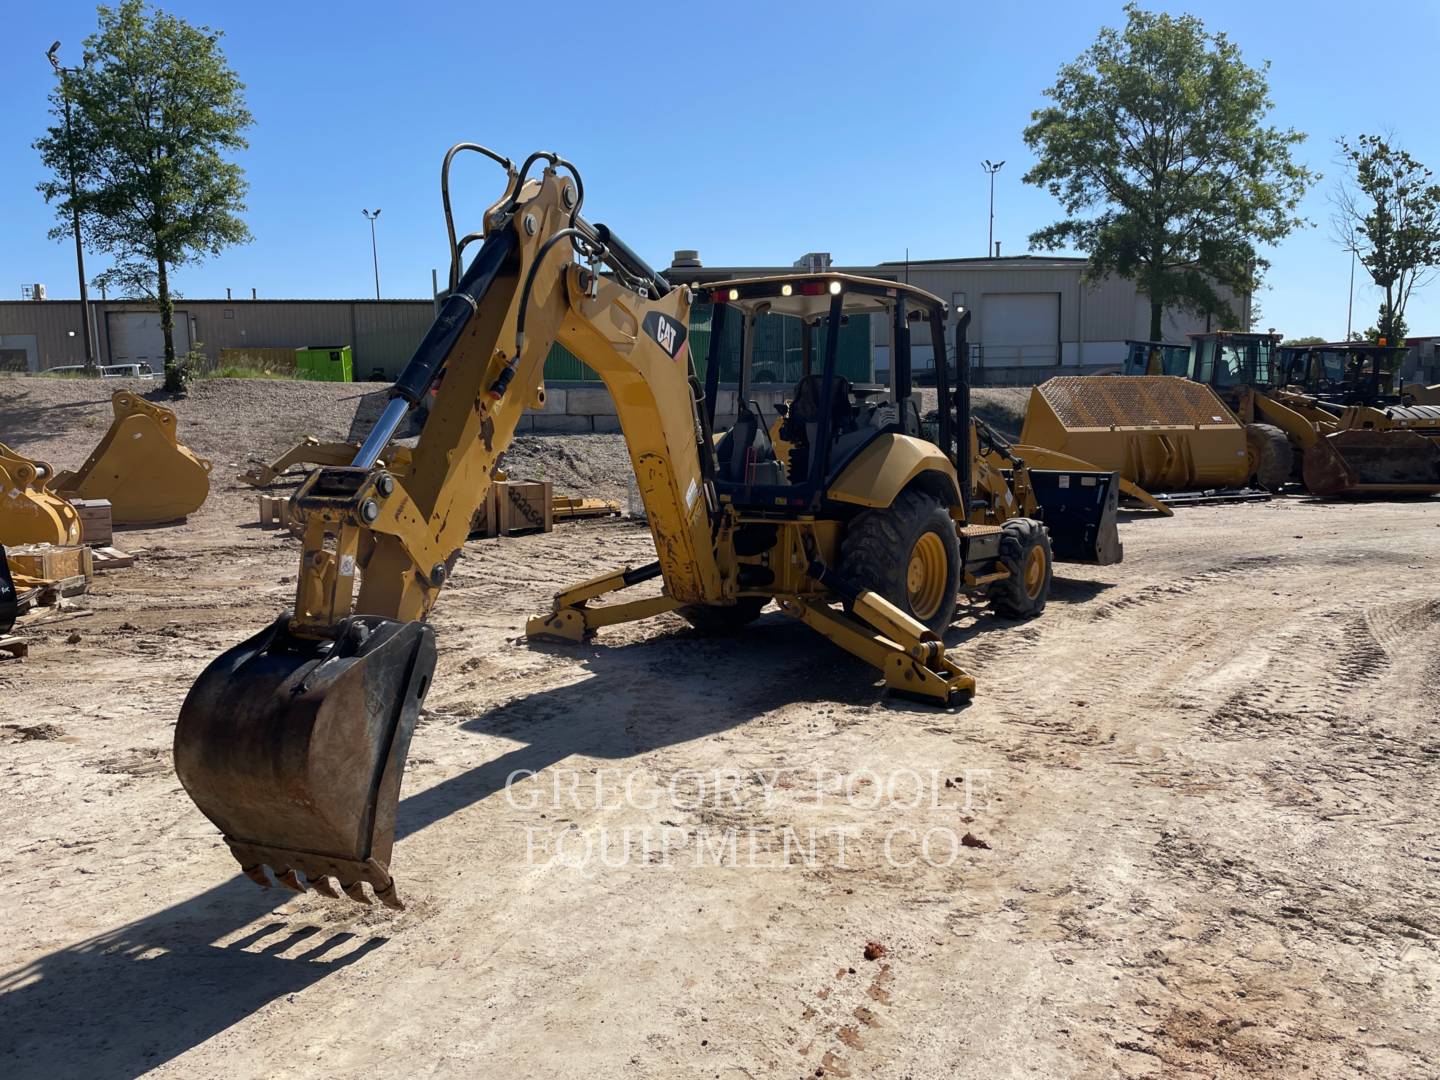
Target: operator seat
(745, 454)
(802, 420)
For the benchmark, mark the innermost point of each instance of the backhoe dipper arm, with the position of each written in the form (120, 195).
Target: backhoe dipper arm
(294, 741)
(402, 532)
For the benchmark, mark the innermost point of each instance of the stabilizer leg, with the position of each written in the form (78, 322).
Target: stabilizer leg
(911, 657)
(571, 618)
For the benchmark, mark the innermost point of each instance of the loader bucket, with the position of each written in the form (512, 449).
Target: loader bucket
(1079, 509)
(295, 749)
(147, 475)
(1160, 432)
(1360, 461)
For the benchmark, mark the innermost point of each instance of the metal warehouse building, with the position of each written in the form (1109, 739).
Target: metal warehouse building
(1033, 317)
(40, 334)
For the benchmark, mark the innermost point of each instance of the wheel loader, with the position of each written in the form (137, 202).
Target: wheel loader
(1326, 412)
(293, 742)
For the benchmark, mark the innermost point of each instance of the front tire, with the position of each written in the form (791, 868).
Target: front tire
(1271, 458)
(909, 553)
(1025, 552)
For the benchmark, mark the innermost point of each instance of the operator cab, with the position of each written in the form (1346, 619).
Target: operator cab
(1156, 358)
(1229, 360)
(1343, 373)
(816, 329)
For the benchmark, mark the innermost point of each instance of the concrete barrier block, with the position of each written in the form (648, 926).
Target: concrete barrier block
(555, 399)
(526, 422)
(606, 425)
(562, 422)
(586, 402)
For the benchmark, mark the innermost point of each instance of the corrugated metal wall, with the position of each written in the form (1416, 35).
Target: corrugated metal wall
(383, 334)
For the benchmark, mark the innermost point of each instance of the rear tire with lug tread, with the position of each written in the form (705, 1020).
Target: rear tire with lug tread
(1025, 552)
(909, 553)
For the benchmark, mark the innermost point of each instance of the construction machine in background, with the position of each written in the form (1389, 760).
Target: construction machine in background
(1344, 428)
(293, 742)
(140, 466)
(1237, 412)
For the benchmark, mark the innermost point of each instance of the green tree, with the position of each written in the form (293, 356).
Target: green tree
(154, 112)
(1387, 211)
(1157, 148)
(1309, 339)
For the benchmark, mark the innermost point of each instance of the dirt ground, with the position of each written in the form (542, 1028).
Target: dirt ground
(1187, 826)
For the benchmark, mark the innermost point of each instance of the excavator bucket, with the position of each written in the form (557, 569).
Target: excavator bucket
(30, 513)
(1079, 509)
(141, 467)
(1376, 461)
(295, 749)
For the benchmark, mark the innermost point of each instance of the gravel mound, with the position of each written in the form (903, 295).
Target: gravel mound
(233, 421)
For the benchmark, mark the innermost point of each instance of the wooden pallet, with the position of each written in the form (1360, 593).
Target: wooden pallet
(110, 558)
(13, 648)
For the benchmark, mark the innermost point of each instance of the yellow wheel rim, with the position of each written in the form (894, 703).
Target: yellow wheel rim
(1034, 572)
(926, 576)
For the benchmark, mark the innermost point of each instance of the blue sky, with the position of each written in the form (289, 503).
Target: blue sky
(753, 132)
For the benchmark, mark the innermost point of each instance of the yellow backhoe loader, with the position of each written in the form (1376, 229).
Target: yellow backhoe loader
(140, 466)
(294, 741)
(30, 513)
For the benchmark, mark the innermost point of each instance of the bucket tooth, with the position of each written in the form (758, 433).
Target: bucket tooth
(324, 888)
(256, 873)
(356, 891)
(390, 897)
(291, 880)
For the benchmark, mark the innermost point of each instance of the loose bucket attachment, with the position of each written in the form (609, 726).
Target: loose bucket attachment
(1160, 432)
(141, 467)
(1379, 461)
(30, 513)
(295, 749)
(1079, 509)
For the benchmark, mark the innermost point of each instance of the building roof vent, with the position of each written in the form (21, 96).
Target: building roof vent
(685, 259)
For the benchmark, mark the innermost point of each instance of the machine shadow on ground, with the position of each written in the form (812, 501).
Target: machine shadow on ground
(130, 999)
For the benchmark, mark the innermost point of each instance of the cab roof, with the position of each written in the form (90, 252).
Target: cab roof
(809, 294)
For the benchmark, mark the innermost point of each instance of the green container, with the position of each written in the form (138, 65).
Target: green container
(325, 363)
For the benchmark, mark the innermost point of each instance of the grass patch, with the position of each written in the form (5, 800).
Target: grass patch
(235, 372)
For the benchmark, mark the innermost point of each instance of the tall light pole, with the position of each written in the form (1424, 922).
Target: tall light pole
(1350, 307)
(370, 216)
(62, 72)
(992, 169)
